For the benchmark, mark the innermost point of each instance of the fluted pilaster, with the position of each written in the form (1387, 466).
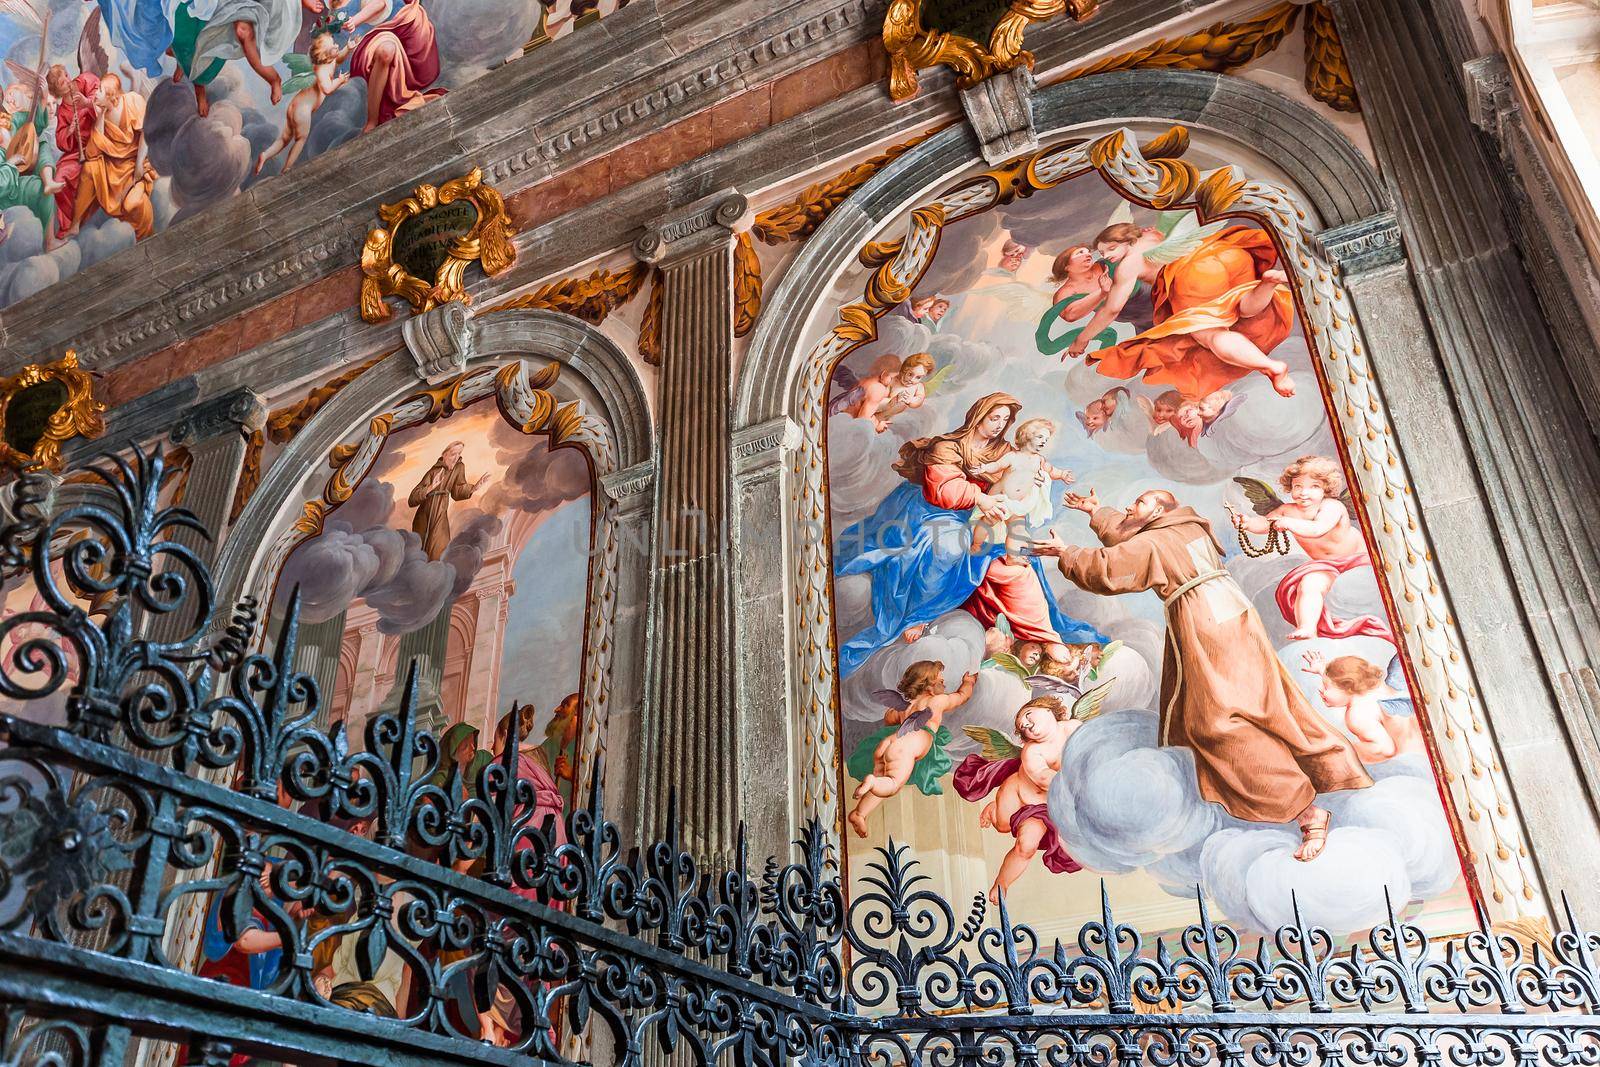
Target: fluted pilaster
(690, 732)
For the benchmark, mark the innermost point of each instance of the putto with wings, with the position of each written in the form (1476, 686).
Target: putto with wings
(1318, 517)
(1019, 776)
(910, 747)
(894, 385)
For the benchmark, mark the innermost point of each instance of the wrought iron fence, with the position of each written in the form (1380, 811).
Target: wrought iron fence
(190, 789)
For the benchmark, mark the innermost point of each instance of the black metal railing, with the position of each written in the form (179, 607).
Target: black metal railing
(183, 856)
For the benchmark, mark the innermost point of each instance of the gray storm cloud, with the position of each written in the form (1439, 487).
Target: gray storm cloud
(384, 567)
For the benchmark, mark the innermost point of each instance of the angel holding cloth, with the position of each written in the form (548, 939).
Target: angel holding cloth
(1221, 305)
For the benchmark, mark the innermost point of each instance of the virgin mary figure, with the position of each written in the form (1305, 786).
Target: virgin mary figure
(917, 547)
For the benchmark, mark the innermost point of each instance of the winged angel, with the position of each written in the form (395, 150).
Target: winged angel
(910, 748)
(1318, 516)
(894, 385)
(1019, 776)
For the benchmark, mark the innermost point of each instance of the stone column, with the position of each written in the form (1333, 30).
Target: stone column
(627, 498)
(1531, 446)
(1564, 277)
(762, 457)
(691, 723)
(215, 433)
(1529, 735)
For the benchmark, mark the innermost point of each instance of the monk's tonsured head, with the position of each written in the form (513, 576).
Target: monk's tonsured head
(1151, 505)
(452, 452)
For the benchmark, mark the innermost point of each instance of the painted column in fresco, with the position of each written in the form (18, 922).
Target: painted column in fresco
(1531, 444)
(691, 724)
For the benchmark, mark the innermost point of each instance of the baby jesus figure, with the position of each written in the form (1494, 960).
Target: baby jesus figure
(1021, 480)
(910, 747)
(1020, 780)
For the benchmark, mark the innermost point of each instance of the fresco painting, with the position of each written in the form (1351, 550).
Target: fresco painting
(124, 117)
(1105, 610)
(466, 550)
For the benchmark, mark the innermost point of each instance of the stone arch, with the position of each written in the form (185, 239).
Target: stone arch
(509, 354)
(1317, 190)
(1334, 179)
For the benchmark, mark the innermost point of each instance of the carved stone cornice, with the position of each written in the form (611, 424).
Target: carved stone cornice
(632, 487)
(1490, 94)
(1364, 245)
(241, 411)
(703, 226)
(759, 448)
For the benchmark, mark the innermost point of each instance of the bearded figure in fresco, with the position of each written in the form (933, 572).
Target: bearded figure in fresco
(917, 546)
(1260, 749)
(445, 481)
(1221, 307)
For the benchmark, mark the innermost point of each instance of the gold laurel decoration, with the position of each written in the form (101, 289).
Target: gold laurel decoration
(1328, 77)
(1218, 48)
(797, 219)
(650, 323)
(912, 47)
(76, 413)
(591, 297)
(746, 285)
(488, 243)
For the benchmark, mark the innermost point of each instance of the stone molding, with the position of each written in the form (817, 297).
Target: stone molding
(241, 411)
(632, 487)
(1364, 245)
(703, 226)
(759, 448)
(1000, 111)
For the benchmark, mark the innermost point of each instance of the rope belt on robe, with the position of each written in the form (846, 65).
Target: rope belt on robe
(1177, 659)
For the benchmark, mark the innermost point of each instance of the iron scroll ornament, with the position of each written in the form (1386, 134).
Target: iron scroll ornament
(189, 776)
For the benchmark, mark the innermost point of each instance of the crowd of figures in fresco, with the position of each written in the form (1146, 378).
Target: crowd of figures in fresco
(1104, 604)
(123, 117)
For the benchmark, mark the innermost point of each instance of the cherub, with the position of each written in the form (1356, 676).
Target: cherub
(1097, 413)
(1222, 304)
(1194, 418)
(1020, 776)
(1060, 674)
(1317, 516)
(315, 76)
(1162, 410)
(1378, 712)
(1020, 479)
(910, 747)
(894, 385)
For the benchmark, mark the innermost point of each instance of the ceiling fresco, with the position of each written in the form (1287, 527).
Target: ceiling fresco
(124, 117)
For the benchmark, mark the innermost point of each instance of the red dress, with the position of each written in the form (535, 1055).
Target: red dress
(414, 68)
(74, 126)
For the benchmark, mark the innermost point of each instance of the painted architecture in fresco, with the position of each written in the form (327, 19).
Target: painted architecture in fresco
(466, 550)
(124, 117)
(1105, 607)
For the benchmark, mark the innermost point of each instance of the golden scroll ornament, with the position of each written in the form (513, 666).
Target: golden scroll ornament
(925, 33)
(422, 250)
(42, 407)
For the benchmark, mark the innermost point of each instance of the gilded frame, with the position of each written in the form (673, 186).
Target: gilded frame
(488, 243)
(912, 47)
(80, 414)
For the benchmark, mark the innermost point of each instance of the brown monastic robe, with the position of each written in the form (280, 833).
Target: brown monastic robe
(432, 521)
(1260, 749)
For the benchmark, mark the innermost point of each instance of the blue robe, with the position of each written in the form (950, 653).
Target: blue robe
(921, 564)
(141, 29)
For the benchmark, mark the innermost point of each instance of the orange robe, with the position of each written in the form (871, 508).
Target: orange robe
(111, 176)
(1202, 291)
(1260, 749)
